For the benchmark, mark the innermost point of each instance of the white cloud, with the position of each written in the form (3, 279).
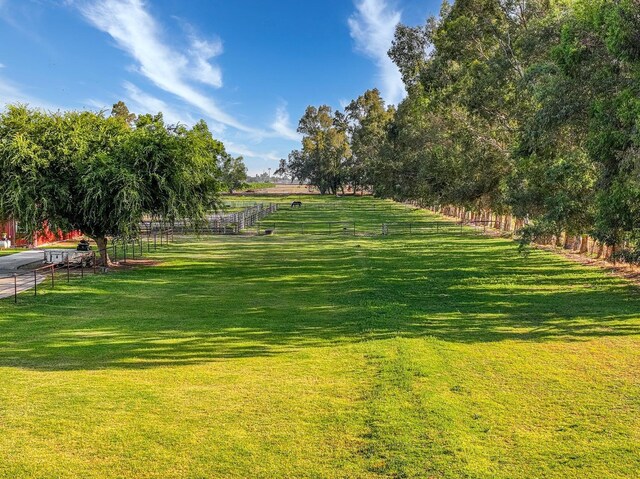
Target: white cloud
(203, 71)
(282, 125)
(140, 102)
(372, 27)
(12, 93)
(97, 104)
(246, 152)
(136, 32)
(1, 65)
(9, 92)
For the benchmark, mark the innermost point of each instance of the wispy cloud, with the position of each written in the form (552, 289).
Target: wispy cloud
(247, 152)
(10, 92)
(136, 32)
(141, 102)
(372, 27)
(201, 52)
(282, 125)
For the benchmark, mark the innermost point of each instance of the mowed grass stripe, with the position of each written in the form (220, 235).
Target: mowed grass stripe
(440, 355)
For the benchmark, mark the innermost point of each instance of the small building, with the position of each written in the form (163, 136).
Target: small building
(44, 236)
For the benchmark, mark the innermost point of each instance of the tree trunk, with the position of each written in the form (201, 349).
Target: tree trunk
(559, 240)
(584, 244)
(599, 250)
(103, 252)
(569, 241)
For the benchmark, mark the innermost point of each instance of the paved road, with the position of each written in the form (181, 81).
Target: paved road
(25, 280)
(16, 261)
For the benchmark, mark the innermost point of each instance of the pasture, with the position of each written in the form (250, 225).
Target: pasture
(437, 354)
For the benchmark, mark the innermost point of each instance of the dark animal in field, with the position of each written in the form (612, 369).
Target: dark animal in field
(296, 203)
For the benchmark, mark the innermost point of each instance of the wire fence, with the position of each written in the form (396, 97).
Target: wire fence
(359, 228)
(67, 265)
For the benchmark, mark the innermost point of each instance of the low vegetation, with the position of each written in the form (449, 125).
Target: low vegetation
(258, 185)
(442, 355)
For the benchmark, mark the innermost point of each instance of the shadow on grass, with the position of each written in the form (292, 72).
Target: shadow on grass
(229, 298)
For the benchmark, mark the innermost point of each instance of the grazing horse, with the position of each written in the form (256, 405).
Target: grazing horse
(296, 203)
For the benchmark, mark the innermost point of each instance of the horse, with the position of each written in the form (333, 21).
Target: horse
(296, 203)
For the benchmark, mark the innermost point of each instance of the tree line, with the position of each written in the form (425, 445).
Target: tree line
(103, 174)
(527, 109)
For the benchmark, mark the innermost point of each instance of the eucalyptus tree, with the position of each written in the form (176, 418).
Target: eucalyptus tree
(601, 47)
(325, 154)
(460, 71)
(368, 121)
(234, 172)
(101, 175)
(579, 169)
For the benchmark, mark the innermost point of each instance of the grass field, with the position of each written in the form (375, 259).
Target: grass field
(437, 355)
(259, 185)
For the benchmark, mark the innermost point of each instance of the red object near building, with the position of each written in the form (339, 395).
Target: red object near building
(8, 228)
(43, 236)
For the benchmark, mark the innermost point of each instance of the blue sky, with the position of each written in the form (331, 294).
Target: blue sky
(248, 67)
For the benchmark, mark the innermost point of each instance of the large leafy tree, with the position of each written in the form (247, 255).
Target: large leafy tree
(102, 175)
(577, 167)
(368, 121)
(325, 154)
(600, 48)
(523, 107)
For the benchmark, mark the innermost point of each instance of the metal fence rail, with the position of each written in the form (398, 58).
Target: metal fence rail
(74, 264)
(360, 228)
(216, 224)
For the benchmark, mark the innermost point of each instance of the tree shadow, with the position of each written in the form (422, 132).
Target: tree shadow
(226, 298)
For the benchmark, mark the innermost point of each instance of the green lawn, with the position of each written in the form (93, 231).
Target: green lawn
(8, 251)
(438, 355)
(259, 185)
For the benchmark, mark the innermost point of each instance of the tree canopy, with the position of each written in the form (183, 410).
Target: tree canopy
(103, 174)
(325, 152)
(523, 108)
(233, 172)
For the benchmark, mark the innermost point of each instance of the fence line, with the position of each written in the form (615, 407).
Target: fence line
(76, 264)
(362, 228)
(219, 223)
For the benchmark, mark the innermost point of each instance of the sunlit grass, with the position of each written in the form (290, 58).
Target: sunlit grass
(8, 251)
(444, 354)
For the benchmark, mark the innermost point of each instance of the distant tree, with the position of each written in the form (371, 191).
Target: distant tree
(325, 152)
(368, 122)
(120, 110)
(234, 172)
(283, 170)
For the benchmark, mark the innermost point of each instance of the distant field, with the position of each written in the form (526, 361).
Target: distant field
(259, 186)
(436, 354)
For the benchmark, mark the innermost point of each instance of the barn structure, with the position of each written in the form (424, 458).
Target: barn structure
(44, 236)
